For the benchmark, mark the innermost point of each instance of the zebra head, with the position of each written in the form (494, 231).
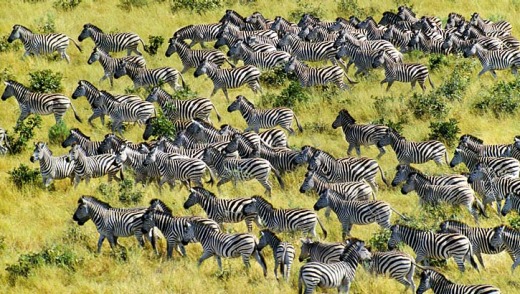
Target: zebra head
(305, 251)
(233, 144)
(425, 283)
(401, 175)
(236, 50)
(315, 161)
(337, 26)
(87, 31)
(121, 154)
(38, 149)
(193, 198)
(497, 239)
(120, 69)
(74, 153)
(81, 90)
(457, 157)
(95, 55)
(223, 40)
(451, 226)
(323, 201)
(277, 23)
(9, 91)
(107, 145)
(209, 155)
(343, 118)
(410, 183)
(188, 233)
(226, 130)
(386, 139)
(308, 182)
(474, 19)
(172, 47)
(508, 204)
(304, 32)
(472, 50)
(148, 219)
(15, 33)
(251, 207)
(73, 138)
(355, 250)
(154, 95)
(286, 40)
(395, 237)
(477, 174)
(516, 144)
(151, 157)
(204, 67)
(82, 213)
(448, 41)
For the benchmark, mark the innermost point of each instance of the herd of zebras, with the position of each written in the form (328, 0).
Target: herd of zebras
(347, 186)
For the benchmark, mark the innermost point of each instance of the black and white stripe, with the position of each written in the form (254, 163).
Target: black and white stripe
(51, 167)
(404, 170)
(77, 137)
(316, 251)
(399, 38)
(347, 191)
(431, 279)
(192, 58)
(230, 28)
(274, 137)
(110, 63)
(503, 166)
(495, 59)
(4, 140)
(280, 25)
(87, 167)
(512, 203)
(283, 252)
(143, 77)
(263, 60)
(499, 26)
(198, 33)
(306, 51)
(316, 76)
(111, 42)
(477, 145)
(256, 42)
(374, 32)
(397, 265)
(134, 160)
(420, 41)
(510, 238)
(37, 103)
(39, 44)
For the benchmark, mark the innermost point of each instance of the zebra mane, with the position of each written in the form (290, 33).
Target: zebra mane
(94, 200)
(157, 205)
(455, 222)
(328, 155)
(232, 14)
(271, 233)
(204, 192)
(471, 138)
(370, 19)
(181, 30)
(96, 48)
(407, 9)
(246, 101)
(88, 84)
(263, 201)
(437, 274)
(91, 26)
(16, 84)
(77, 131)
(347, 114)
(231, 128)
(396, 133)
(108, 95)
(23, 27)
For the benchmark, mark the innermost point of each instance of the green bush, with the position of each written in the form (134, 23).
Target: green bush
(46, 24)
(291, 97)
(127, 194)
(107, 191)
(198, 6)
(501, 99)
(22, 133)
(185, 94)
(396, 125)
(306, 7)
(514, 221)
(129, 4)
(6, 75)
(155, 42)
(274, 78)
(45, 81)
(6, 46)
(445, 131)
(162, 126)
(437, 61)
(429, 105)
(23, 176)
(58, 133)
(352, 7)
(454, 86)
(66, 5)
(379, 240)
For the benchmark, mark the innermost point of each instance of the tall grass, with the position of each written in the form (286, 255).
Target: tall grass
(36, 219)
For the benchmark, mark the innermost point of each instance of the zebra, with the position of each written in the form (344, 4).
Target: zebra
(143, 77)
(192, 58)
(503, 166)
(4, 139)
(135, 160)
(165, 145)
(221, 210)
(316, 251)
(402, 72)
(229, 78)
(256, 42)
(85, 88)
(77, 137)
(264, 118)
(397, 37)
(111, 42)
(362, 59)
(398, 265)
(258, 21)
(306, 51)
(198, 34)
(335, 275)
(374, 32)
(348, 191)
(87, 167)
(311, 19)
(263, 60)
(273, 138)
(319, 34)
(283, 252)
(427, 244)
(456, 44)
(454, 19)
(359, 134)
(500, 26)
(413, 152)
(392, 19)
(182, 110)
(479, 237)
(355, 212)
(238, 20)
(431, 279)
(434, 194)
(228, 27)
(281, 25)
(421, 41)
(284, 220)
(37, 103)
(51, 167)
(111, 223)
(131, 111)
(219, 244)
(512, 202)
(320, 76)
(109, 63)
(495, 59)
(41, 43)
(403, 171)
(477, 145)
(510, 238)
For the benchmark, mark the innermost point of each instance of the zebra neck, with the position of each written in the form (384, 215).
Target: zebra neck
(98, 215)
(134, 72)
(98, 37)
(337, 204)
(320, 185)
(413, 237)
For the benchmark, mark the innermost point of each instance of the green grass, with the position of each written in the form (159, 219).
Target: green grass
(35, 220)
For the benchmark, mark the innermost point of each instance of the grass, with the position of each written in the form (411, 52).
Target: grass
(36, 219)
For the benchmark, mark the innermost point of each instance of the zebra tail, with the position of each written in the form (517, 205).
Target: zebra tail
(300, 282)
(211, 175)
(75, 113)
(262, 259)
(322, 228)
(183, 82)
(472, 259)
(383, 176)
(481, 208)
(121, 175)
(231, 64)
(216, 111)
(145, 48)
(430, 80)
(298, 123)
(77, 45)
(399, 214)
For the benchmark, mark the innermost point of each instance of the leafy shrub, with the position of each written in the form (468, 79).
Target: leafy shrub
(185, 94)
(437, 61)
(22, 133)
(379, 240)
(162, 126)
(66, 5)
(514, 221)
(351, 7)
(396, 125)
(6, 75)
(23, 176)
(446, 132)
(58, 133)
(454, 86)
(2, 243)
(290, 97)
(501, 99)
(107, 190)
(46, 24)
(129, 4)
(424, 106)
(198, 6)
(6, 46)
(127, 194)
(155, 42)
(274, 78)
(45, 81)
(306, 7)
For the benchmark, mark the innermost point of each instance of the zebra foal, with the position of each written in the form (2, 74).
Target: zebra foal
(283, 252)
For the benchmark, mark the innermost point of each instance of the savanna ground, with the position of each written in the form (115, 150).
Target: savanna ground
(46, 251)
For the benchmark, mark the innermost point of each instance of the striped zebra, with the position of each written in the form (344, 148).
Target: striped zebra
(109, 63)
(495, 59)
(348, 191)
(233, 17)
(263, 60)
(335, 275)
(306, 51)
(500, 26)
(167, 146)
(135, 160)
(219, 244)
(320, 34)
(503, 166)
(274, 137)
(353, 212)
(283, 252)
(280, 25)
(221, 210)
(454, 20)
(399, 38)
(131, 111)
(477, 145)
(307, 19)
(421, 41)
(432, 279)
(77, 137)
(402, 72)
(403, 171)
(413, 152)
(359, 134)
(427, 244)
(95, 166)
(111, 223)
(320, 76)
(39, 44)
(515, 148)
(510, 238)
(362, 59)
(229, 78)
(284, 220)
(456, 44)
(143, 77)
(480, 238)
(454, 195)
(182, 110)
(392, 19)
(256, 42)
(512, 202)
(111, 42)
(51, 167)
(37, 103)
(316, 251)
(85, 88)
(228, 27)
(264, 118)
(397, 265)
(192, 58)
(198, 34)
(4, 139)
(259, 21)
(374, 32)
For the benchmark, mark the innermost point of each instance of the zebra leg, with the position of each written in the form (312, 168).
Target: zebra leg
(184, 69)
(389, 85)
(350, 148)
(327, 212)
(225, 94)
(346, 229)
(169, 250)
(358, 151)
(515, 264)
(382, 152)
(485, 69)
(266, 185)
(479, 258)
(261, 260)
(460, 263)
(64, 55)
(345, 286)
(100, 242)
(276, 265)
(205, 255)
